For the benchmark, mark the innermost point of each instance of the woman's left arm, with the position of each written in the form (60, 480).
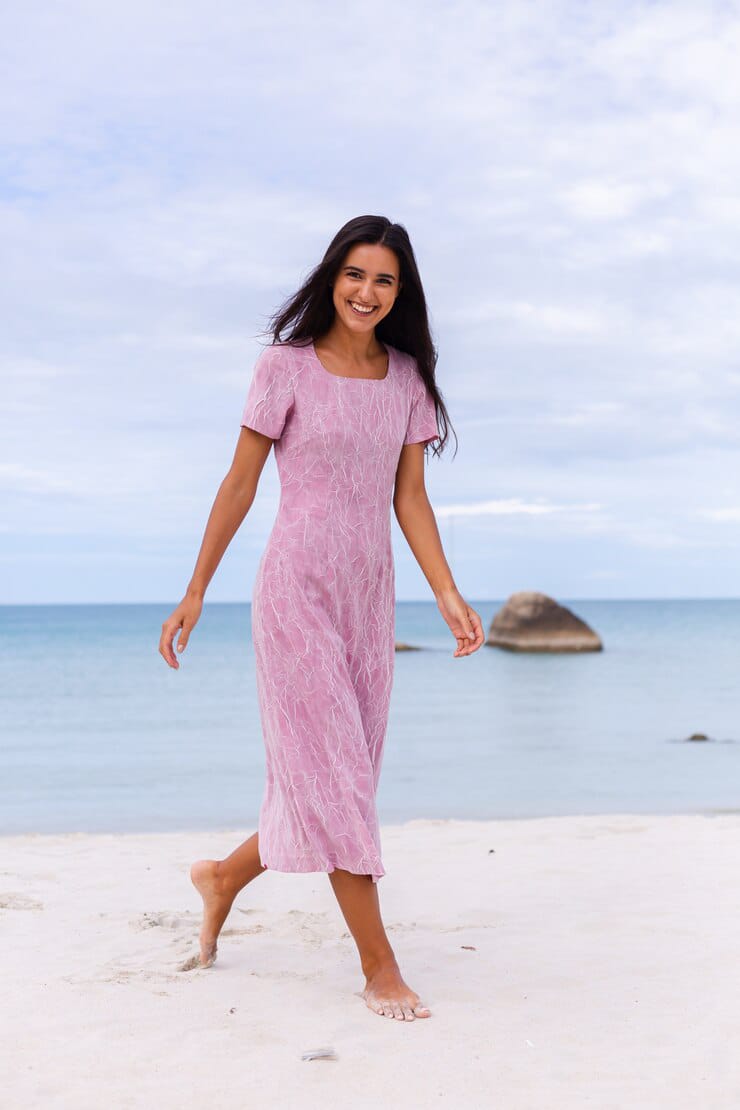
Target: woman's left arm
(418, 524)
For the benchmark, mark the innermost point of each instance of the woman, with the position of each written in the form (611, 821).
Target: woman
(350, 401)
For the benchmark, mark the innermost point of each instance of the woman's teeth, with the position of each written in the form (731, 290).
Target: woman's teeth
(360, 309)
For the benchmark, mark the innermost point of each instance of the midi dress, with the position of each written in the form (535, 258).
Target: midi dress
(323, 602)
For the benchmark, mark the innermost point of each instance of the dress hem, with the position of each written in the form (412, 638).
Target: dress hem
(326, 868)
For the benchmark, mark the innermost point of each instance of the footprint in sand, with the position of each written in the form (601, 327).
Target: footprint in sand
(472, 927)
(166, 920)
(179, 927)
(314, 928)
(243, 932)
(194, 964)
(9, 900)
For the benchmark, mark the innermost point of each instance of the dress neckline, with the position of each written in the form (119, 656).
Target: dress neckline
(350, 377)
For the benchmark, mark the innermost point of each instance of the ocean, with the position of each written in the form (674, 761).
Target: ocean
(97, 734)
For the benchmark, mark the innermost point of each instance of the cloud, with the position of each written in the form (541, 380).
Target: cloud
(556, 320)
(731, 514)
(566, 172)
(512, 506)
(22, 479)
(610, 200)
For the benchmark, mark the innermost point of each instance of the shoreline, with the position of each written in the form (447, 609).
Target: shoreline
(568, 961)
(247, 828)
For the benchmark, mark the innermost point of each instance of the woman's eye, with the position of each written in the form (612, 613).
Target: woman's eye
(353, 273)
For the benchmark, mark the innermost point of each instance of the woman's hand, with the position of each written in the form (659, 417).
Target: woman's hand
(464, 622)
(184, 617)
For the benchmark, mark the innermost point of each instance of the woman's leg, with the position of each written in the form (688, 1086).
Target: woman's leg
(385, 991)
(218, 882)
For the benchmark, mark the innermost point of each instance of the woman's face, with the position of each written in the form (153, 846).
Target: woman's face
(366, 286)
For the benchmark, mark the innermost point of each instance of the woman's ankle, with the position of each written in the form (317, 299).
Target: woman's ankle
(373, 962)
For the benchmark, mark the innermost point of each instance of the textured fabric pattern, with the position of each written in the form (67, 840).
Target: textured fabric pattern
(323, 604)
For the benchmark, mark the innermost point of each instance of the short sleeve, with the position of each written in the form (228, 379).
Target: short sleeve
(270, 396)
(422, 425)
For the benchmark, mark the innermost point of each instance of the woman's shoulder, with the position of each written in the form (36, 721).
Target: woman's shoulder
(282, 358)
(408, 367)
(403, 359)
(278, 351)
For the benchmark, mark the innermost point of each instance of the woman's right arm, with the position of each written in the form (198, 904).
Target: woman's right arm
(233, 501)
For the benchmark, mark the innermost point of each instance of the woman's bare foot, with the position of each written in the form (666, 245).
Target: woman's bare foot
(386, 993)
(217, 901)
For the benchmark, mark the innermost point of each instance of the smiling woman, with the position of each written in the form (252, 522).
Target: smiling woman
(364, 295)
(368, 296)
(350, 401)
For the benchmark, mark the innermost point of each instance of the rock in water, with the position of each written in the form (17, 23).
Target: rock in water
(530, 621)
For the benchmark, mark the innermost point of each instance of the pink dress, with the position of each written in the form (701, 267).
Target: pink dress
(323, 605)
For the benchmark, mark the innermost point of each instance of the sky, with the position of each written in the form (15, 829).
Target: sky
(568, 174)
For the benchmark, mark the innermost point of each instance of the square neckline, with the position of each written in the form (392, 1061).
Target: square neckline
(351, 377)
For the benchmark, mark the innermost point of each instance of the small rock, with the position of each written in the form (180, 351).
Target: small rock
(327, 1053)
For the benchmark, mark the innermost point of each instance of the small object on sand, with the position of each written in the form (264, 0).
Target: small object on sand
(698, 736)
(319, 1054)
(470, 947)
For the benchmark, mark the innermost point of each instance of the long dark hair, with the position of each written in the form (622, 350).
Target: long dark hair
(310, 312)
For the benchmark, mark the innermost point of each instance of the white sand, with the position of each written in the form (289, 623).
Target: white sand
(602, 971)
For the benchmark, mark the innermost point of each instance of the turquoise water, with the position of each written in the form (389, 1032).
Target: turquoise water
(98, 734)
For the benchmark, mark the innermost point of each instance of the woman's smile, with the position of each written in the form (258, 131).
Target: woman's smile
(360, 309)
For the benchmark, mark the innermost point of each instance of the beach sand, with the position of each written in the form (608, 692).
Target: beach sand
(568, 962)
